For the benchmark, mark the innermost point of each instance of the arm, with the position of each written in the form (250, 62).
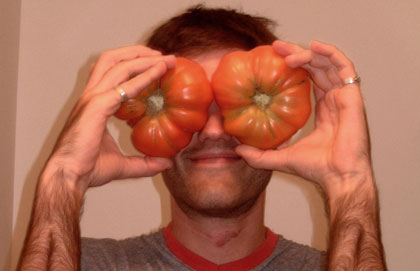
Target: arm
(336, 156)
(53, 238)
(354, 242)
(86, 155)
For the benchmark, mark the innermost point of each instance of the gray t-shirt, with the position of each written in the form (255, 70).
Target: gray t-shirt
(150, 253)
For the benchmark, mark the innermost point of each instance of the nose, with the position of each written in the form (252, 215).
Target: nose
(213, 128)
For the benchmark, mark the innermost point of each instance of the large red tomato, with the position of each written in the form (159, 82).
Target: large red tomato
(263, 101)
(170, 110)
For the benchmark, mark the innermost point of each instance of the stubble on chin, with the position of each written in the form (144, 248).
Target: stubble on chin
(216, 192)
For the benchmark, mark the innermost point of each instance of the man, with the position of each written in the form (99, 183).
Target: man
(217, 221)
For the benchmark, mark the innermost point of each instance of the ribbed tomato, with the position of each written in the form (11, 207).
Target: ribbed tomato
(165, 115)
(262, 100)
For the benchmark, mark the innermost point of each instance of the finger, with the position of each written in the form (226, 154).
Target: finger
(309, 59)
(135, 167)
(102, 105)
(129, 69)
(286, 48)
(99, 107)
(323, 71)
(135, 85)
(345, 68)
(264, 159)
(109, 58)
(323, 80)
(296, 56)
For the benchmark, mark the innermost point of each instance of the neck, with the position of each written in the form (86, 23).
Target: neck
(220, 240)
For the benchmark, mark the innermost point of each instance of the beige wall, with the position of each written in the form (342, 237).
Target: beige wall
(59, 40)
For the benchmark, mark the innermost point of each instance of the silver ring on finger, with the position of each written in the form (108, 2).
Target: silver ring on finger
(352, 80)
(122, 93)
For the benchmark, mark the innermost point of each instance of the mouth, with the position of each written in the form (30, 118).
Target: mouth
(215, 159)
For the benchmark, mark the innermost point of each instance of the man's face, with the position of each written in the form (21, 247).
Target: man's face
(208, 177)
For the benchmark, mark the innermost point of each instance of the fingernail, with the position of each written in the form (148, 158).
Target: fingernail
(280, 42)
(156, 52)
(171, 60)
(167, 162)
(170, 57)
(158, 159)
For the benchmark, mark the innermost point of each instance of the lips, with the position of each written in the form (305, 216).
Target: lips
(213, 157)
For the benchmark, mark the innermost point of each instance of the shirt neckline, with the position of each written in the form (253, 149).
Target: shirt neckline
(199, 263)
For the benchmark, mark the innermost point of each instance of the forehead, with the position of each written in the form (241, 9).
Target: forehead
(210, 60)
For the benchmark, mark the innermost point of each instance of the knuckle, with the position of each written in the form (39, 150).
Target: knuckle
(125, 69)
(106, 54)
(130, 69)
(106, 57)
(349, 63)
(84, 99)
(97, 100)
(90, 101)
(157, 70)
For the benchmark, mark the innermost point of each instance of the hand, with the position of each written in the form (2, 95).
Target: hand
(338, 148)
(85, 151)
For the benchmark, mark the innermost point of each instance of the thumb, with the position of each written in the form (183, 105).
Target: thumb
(135, 166)
(264, 159)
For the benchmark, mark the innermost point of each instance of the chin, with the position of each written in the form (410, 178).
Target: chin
(218, 193)
(216, 207)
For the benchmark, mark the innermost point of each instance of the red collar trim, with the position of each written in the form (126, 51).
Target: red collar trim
(199, 263)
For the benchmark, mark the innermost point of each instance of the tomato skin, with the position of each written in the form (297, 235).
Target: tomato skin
(262, 100)
(186, 94)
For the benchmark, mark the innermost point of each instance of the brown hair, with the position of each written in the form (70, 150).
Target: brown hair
(202, 29)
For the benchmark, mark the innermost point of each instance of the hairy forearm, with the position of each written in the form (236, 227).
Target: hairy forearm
(53, 238)
(355, 238)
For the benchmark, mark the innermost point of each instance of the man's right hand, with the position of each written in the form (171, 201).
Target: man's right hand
(86, 155)
(85, 151)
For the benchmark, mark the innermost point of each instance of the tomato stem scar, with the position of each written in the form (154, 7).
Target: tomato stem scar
(155, 104)
(261, 99)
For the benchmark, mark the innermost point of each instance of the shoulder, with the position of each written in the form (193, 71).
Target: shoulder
(289, 255)
(147, 252)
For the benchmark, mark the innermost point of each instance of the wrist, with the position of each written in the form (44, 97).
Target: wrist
(53, 237)
(55, 179)
(354, 196)
(341, 186)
